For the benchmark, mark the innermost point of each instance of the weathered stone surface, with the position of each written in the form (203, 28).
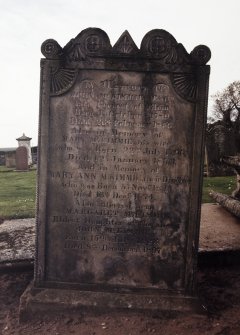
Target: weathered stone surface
(21, 159)
(219, 231)
(123, 181)
(17, 240)
(10, 159)
(120, 164)
(35, 301)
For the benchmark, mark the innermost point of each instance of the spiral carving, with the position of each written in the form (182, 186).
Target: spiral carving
(201, 54)
(51, 49)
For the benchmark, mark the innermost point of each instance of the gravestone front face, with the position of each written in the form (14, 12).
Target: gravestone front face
(21, 159)
(120, 164)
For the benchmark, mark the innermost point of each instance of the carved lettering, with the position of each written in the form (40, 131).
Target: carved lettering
(119, 156)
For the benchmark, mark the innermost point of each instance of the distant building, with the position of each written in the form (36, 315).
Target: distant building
(24, 141)
(7, 157)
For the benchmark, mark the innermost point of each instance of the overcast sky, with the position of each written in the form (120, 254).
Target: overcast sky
(25, 24)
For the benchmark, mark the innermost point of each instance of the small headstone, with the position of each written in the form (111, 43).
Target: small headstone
(120, 170)
(24, 141)
(220, 142)
(21, 159)
(10, 159)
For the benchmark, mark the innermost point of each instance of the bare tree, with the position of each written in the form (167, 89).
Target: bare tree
(227, 105)
(226, 110)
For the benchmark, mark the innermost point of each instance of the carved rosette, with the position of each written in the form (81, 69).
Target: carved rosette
(92, 47)
(157, 44)
(51, 49)
(201, 54)
(90, 42)
(160, 44)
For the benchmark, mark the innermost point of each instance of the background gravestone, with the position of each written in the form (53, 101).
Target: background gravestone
(120, 172)
(21, 159)
(10, 159)
(220, 142)
(24, 141)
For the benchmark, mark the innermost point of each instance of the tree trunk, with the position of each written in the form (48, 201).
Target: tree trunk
(228, 202)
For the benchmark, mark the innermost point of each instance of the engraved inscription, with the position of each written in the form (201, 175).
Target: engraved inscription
(120, 162)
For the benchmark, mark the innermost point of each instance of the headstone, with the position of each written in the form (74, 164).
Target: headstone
(120, 171)
(2, 158)
(17, 241)
(10, 159)
(220, 142)
(21, 159)
(24, 141)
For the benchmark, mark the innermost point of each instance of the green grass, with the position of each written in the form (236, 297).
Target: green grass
(218, 184)
(17, 193)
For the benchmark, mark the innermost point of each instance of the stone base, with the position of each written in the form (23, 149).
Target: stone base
(37, 302)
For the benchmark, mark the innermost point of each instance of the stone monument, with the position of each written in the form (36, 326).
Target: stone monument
(218, 138)
(21, 159)
(121, 148)
(10, 159)
(24, 141)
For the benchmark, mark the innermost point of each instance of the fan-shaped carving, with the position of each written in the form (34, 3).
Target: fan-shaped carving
(125, 44)
(185, 85)
(62, 80)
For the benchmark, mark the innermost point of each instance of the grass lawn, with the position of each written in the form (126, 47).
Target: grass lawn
(218, 184)
(17, 193)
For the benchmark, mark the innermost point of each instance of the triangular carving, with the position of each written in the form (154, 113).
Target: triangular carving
(125, 44)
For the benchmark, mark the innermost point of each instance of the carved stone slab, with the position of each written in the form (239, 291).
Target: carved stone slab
(120, 163)
(21, 158)
(17, 241)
